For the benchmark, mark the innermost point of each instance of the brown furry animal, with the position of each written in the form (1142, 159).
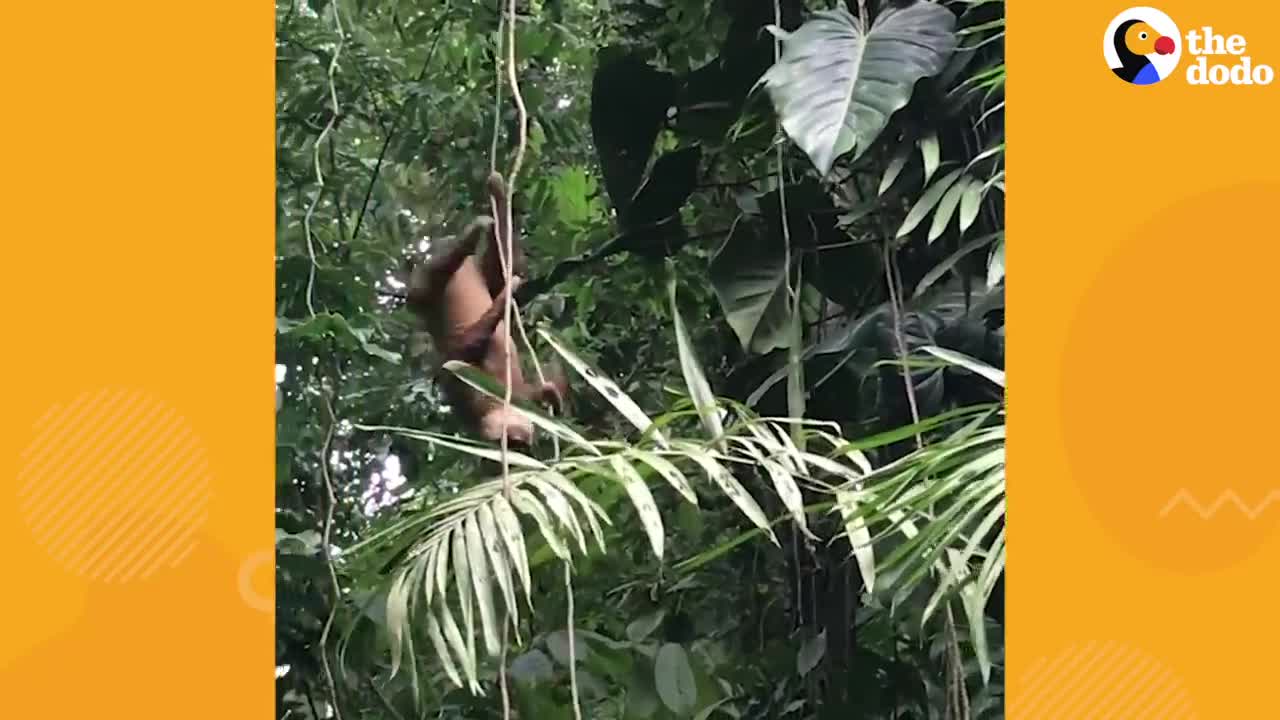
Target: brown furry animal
(462, 303)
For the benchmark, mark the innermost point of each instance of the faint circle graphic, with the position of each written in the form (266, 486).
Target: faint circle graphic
(244, 581)
(1102, 679)
(1164, 383)
(114, 485)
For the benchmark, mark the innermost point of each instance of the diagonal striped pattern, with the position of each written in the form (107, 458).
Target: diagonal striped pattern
(1103, 680)
(114, 485)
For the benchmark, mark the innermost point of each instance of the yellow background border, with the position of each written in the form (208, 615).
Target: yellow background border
(138, 187)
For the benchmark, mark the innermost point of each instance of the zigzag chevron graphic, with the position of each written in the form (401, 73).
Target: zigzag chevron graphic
(1185, 497)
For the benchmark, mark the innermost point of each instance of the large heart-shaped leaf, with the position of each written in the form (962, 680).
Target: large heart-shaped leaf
(749, 275)
(838, 83)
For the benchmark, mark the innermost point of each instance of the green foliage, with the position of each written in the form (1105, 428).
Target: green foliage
(728, 559)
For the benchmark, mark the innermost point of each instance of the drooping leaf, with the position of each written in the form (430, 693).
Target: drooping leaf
(529, 505)
(606, 387)
(668, 471)
(749, 275)
(730, 486)
(694, 378)
(838, 82)
(930, 154)
(480, 582)
(642, 500)
(513, 539)
(971, 364)
(970, 203)
(855, 528)
(811, 653)
(891, 172)
(491, 537)
(947, 207)
(928, 200)
(995, 266)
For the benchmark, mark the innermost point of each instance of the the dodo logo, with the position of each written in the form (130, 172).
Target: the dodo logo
(1142, 46)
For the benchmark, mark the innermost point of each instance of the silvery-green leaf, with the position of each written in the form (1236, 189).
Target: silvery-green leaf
(483, 589)
(970, 203)
(492, 540)
(397, 619)
(442, 650)
(526, 503)
(513, 538)
(694, 378)
(562, 510)
(463, 582)
(641, 628)
(930, 153)
(971, 364)
(947, 207)
(891, 172)
(668, 471)
(461, 649)
(786, 487)
(855, 528)
(838, 83)
(589, 507)
(730, 486)
(928, 200)
(642, 499)
(995, 265)
(606, 387)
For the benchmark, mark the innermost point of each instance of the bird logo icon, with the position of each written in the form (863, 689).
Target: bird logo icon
(1142, 46)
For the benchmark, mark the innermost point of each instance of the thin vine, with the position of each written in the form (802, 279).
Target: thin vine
(334, 114)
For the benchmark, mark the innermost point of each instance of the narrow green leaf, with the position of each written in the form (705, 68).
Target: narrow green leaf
(859, 535)
(492, 540)
(891, 172)
(606, 387)
(397, 620)
(730, 486)
(947, 207)
(513, 538)
(970, 203)
(483, 588)
(563, 512)
(937, 272)
(971, 364)
(928, 200)
(529, 505)
(694, 378)
(668, 471)
(930, 153)
(642, 499)
(442, 651)
(995, 266)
